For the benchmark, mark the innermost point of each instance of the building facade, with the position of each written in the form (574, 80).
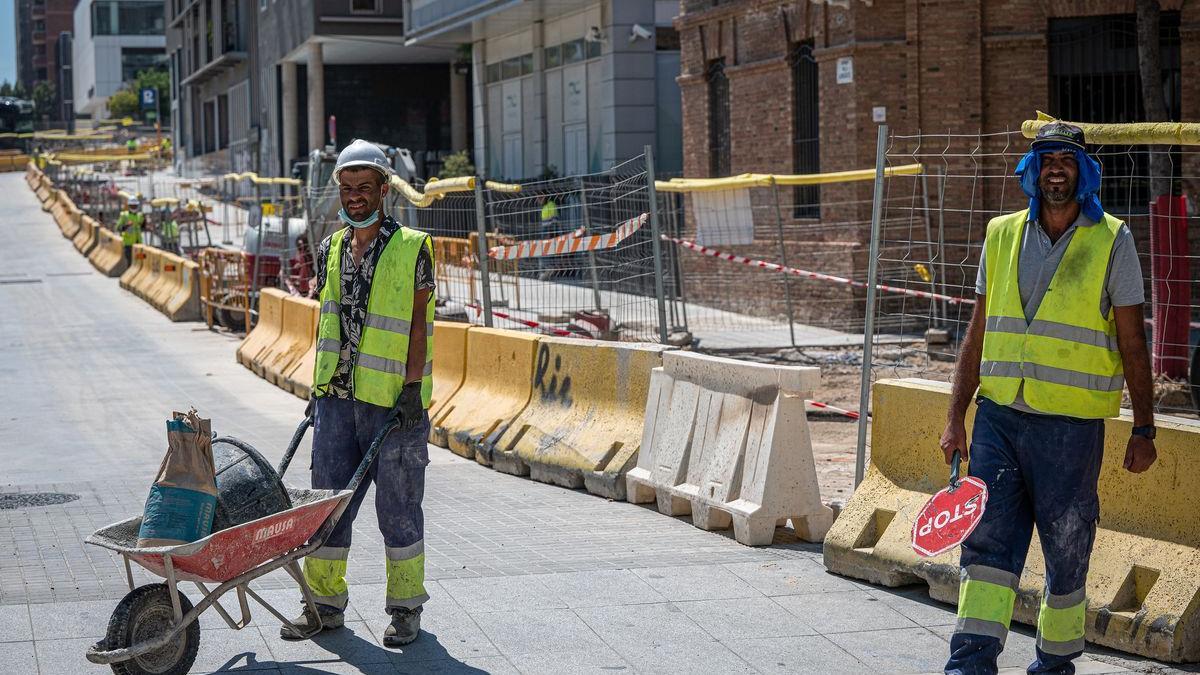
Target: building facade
(113, 41)
(797, 86)
(38, 25)
(564, 87)
(283, 77)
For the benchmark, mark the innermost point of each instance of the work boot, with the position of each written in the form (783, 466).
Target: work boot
(307, 622)
(406, 625)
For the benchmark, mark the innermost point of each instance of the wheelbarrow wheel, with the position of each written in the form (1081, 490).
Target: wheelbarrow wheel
(143, 614)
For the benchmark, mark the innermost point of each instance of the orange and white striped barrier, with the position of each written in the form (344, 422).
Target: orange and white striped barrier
(574, 242)
(528, 323)
(762, 264)
(825, 406)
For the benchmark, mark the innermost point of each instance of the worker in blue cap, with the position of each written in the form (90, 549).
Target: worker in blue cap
(1056, 334)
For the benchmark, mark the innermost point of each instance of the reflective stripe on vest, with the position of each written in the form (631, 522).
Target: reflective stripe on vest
(1067, 357)
(381, 364)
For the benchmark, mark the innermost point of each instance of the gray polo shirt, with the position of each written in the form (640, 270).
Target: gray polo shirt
(1039, 260)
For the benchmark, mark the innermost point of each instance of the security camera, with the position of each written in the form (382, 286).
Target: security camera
(594, 34)
(639, 32)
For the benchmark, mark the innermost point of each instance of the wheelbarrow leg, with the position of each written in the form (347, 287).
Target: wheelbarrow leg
(293, 569)
(236, 625)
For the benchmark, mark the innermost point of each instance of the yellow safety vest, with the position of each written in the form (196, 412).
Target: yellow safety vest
(1067, 356)
(130, 226)
(381, 365)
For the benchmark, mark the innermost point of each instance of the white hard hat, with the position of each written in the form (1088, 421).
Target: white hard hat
(134, 202)
(362, 153)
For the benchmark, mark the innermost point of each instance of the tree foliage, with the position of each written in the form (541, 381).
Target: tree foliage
(457, 164)
(123, 103)
(43, 99)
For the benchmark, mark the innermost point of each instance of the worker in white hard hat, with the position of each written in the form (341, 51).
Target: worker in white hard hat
(129, 226)
(374, 364)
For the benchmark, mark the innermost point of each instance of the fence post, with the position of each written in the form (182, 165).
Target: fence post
(253, 299)
(482, 253)
(787, 278)
(587, 229)
(656, 242)
(864, 397)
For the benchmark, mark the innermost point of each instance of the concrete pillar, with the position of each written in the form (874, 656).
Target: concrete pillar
(316, 97)
(289, 105)
(479, 91)
(458, 110)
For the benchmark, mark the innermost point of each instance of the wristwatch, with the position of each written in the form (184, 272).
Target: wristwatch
(1147, 431)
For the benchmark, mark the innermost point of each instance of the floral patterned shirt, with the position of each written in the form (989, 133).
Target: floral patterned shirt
(356, 289)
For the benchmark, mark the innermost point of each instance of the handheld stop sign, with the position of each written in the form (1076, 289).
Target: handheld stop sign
(949, 516)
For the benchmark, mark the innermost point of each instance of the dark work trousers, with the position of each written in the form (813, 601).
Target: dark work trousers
(1043, 470)
(128, 250)
(342, 434)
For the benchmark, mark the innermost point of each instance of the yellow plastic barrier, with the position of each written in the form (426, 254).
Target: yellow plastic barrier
(184, 305)
(294, 340)
(13, 162)
(85, 238)
(449, 362)
(171, 277)
(749, 180)
(108, 256)
(495, 390)
(45, 191)
(1142, 588)
(583, 424)
(152, 276)
(299, 376)
(266, 330)
(1134, 133)
(137, 265)
(70, 215)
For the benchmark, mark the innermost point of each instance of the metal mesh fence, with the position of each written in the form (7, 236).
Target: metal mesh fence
(932, 245)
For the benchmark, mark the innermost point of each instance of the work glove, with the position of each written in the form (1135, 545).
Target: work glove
(410, 409)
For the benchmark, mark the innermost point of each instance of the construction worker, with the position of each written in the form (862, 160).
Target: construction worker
(168, 230)
(131, 145)
(129, 226)
(374, 363)
(1056, 331)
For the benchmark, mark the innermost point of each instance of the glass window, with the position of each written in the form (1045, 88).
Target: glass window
(493, 72)
(573, 51)
(527, 64)
(140, 18)
(593, 50)
(136, 59)
(364, 6)
(103, 21)
(510, 68)
(553, 56)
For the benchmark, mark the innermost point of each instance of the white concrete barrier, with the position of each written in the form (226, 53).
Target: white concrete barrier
(728, 442)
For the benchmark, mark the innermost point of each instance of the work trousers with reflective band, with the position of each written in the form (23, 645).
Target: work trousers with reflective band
(342, 433)
(1039, 469)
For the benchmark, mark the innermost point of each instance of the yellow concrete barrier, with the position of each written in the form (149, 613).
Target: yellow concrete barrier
(42, 189)
(108, 256)
(449, 362)
(295, 338)
(583, 424)
(495, 390)
(266, 330)
(1143, 589)
(70, 214)
(138, 265)
(184, 305)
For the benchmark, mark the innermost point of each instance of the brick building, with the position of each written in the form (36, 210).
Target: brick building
(38, 24)
(798, 86)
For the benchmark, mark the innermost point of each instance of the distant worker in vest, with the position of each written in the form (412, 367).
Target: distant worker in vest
(168, 230)
(129, 226)
(131, 145)
(1056, 332)
(374, 363)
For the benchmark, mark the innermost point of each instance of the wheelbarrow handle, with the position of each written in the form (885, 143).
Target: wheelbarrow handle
(291, 449)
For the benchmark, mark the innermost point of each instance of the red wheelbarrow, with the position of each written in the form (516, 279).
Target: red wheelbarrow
(155, 628)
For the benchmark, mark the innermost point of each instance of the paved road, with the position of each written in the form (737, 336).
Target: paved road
(524, 577)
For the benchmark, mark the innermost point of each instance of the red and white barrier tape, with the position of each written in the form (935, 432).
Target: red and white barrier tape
(569, 243)
(825, 406)
(704, 250)
(525, 322)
